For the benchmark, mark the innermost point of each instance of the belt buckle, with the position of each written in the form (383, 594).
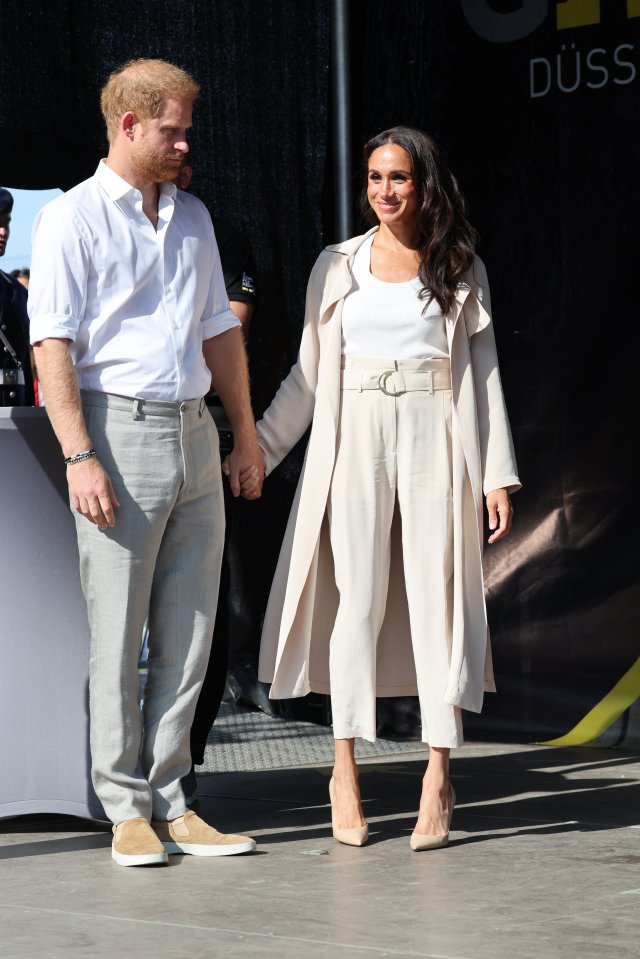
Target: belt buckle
(382, 383)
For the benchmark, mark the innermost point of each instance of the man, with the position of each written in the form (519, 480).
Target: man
(238, 269)
(130, 322)
(16, 380)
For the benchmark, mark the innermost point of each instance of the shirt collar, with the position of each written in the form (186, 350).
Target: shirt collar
(116, 188)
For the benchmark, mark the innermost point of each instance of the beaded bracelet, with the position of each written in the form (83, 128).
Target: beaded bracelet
(79, 457)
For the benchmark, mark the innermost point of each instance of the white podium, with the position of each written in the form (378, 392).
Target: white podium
(44, 634)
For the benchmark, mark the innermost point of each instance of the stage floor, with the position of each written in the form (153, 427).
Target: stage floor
(544, 863)
(243, 740)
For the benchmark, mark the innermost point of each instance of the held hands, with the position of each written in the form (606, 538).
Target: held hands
(91, 492)
(244, 467)
(500, 514)
(251, 483)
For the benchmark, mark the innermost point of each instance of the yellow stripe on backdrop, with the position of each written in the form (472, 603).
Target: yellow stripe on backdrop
(597, 721)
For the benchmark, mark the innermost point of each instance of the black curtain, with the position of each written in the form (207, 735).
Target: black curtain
(260, 125)
(259, 140)
(537, 115)
(538, 123)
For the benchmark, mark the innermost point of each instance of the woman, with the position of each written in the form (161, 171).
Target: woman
(378, 590)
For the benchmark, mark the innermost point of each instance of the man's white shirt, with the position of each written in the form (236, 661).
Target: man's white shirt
(137, 303)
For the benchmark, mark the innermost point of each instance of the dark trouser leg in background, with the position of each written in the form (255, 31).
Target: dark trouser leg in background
(214, 681)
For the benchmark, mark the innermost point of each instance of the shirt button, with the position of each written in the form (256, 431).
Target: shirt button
(167, 289)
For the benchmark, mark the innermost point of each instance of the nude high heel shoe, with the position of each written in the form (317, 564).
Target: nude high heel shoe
(418, 842)
(357, 836)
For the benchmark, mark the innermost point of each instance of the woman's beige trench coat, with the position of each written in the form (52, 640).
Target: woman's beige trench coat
(294, 653)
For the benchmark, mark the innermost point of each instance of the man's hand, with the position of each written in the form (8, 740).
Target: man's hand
(244, 467)
(91, 491)
(92, 494)
(500, 513)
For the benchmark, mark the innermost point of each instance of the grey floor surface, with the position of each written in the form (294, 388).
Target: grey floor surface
(246, 740)
(544, 862)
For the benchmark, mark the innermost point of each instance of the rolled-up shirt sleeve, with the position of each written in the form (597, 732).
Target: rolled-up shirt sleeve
(218, 317)
(58, 283)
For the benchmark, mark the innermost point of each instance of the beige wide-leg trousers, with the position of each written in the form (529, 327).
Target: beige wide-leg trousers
(161, 561)
(394, 446)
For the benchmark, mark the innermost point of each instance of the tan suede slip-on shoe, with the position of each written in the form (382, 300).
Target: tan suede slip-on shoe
(136, 844)
(195, 838)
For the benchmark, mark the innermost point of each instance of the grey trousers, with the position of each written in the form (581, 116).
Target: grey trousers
(161, 561)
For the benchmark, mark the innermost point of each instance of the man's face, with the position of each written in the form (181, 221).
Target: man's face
(160, 144)
(5, 220)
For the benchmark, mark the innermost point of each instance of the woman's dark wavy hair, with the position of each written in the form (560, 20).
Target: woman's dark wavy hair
(446, 240)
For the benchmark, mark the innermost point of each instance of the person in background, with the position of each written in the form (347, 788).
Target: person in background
(22, 276)
(16, 377)
(130, 324)
(379, 587)
(238, 269)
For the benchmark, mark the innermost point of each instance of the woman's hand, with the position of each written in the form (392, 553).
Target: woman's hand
(500, 513)
(246, 459)
(250, 480)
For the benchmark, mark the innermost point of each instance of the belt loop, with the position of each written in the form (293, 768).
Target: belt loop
(136, 410)
(202, 406)
(361, 381)
(430, 372)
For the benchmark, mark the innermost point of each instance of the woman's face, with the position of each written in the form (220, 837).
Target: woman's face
(391, 190)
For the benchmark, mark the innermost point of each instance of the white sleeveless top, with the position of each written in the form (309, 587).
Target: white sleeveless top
(386, 319)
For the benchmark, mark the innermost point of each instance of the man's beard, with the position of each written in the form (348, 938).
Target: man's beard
(148, 164)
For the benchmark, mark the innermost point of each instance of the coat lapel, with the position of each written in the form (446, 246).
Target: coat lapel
(337, 289)
(340, 280)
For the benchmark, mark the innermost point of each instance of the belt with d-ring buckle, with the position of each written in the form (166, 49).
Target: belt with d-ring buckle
(382, 380)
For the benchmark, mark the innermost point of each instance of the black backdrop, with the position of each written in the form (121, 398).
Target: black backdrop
(538, 117)
(550, 179)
